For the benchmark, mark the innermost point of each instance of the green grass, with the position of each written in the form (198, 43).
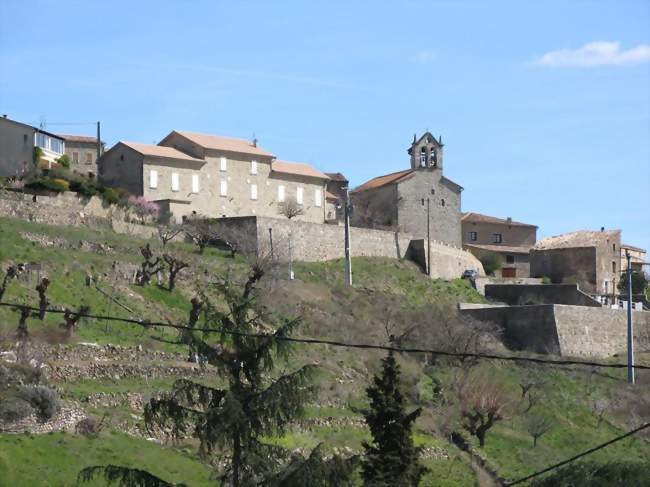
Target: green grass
(54, 460)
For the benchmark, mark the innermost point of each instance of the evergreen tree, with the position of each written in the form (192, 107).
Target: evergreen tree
(391, 459)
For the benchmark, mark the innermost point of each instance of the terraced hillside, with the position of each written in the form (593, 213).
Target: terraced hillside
(109, 369)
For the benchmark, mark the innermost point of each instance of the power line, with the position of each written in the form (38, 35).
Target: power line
(579, 455)
(318, 341)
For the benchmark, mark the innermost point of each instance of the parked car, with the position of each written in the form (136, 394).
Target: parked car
(470, 274)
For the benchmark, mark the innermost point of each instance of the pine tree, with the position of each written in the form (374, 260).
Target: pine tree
(391, 459)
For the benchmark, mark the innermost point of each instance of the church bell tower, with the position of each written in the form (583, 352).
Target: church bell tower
(426, 152)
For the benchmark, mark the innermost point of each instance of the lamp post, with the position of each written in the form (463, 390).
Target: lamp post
(428, 235)
(348, 261)
(630, 325)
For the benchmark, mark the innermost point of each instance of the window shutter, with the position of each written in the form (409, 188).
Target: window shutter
(224, 164)
(281, 193)
(318, 197)
(253, 191)
(195, 183)
(175, 181)
(253, 167)
(223, 188)
(153, 179)
(299, 195)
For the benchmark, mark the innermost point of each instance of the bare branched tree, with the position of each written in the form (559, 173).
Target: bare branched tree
(70, 319)
(167, 233)
(11, 273)
(149, 266)
(537, 426)
(290, 208)
(200, 231)
(481, 406)
(43, 302)
(174, 266)
(599, 408)
(22, 332)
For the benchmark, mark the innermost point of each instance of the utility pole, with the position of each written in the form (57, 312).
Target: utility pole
(630, 325)
(271, 240)
(290, 259)
(348, 261)
(99, 143)
(428, 235)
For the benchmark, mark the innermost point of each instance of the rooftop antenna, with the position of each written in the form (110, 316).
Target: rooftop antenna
(254, 140)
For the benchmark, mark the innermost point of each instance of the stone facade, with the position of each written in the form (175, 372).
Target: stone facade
(590, 259)
(312, 242)
(565, 330)
(240, 179)
(399, 200)
(82, 151)
(511, 240)
(638, 258)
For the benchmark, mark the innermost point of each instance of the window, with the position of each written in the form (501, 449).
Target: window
(473, 236)
(56, 146)
(613, 266)
(281, 193)
(442, 202)
(434, 158)
(253, 167)
(318, 197)
(299, 195)
(41, 140)
(497, 238)
(224, 164)
(253, 191)
(89, 157)
(75, 157)
(25, 139)
(613, 247)
(153, 179)
(423, 157)
(510, 259)
(175, 181)
(223, 188)
(195, 183)
(433, 191)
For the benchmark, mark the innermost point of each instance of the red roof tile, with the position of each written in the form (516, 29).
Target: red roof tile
(380, 181)
(228, 144)
(479, 218)
(297, 169)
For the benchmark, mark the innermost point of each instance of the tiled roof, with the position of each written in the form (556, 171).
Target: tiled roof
(330, 196)
(632, 247)
(159, 151)
(512, 249)
(78, 138)
(581, 238)
(337, 176)
(380, 181)
(228, 144)
(297, 169)
(479, 218)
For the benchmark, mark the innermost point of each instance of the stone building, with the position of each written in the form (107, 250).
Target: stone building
(18, 143)
(191, 173)
(511, 240)
(590, 259)
(638, 260)
(399, 200)
(337, 186)
(82, 151)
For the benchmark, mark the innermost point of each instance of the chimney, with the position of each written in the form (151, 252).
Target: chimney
(509, 220)
(602, 229)
(255, 142)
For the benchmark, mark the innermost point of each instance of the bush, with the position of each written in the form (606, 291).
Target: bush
(111, 196)
(84, 187)
(64, 161)
(546, 280)
(14, 409)
(88, 427)
(43, 399)
(491, 262)
(57, 185)
(639, 283)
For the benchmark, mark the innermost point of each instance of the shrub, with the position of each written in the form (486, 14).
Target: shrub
(111, 196)
(89, 427)
(62, 183)
(84, 187)
(57, 185)
(43, 399)
(143, 207)
(546, 280)
(64, 161)
(491, 262)
(14, 409)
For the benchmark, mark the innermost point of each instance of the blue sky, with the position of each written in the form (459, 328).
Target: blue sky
(544, 107)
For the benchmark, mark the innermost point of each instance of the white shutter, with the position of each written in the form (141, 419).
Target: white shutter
(318, 197)
(175, 181)
(153, 179)
(299, 195)
(281, 193)
(253, 191)
(224, 164)
(195, 183)
(253, 167)
(223, 188)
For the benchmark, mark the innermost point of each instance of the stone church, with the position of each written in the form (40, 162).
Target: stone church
(399, 200)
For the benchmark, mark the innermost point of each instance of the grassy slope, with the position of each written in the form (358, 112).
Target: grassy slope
(330, 310)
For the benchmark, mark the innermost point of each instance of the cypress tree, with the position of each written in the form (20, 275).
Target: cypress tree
(391, 459)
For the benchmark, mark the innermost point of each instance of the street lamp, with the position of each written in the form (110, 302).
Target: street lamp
(428, 234)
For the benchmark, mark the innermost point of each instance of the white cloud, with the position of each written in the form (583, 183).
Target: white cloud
(423, 57)
(599, 53)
